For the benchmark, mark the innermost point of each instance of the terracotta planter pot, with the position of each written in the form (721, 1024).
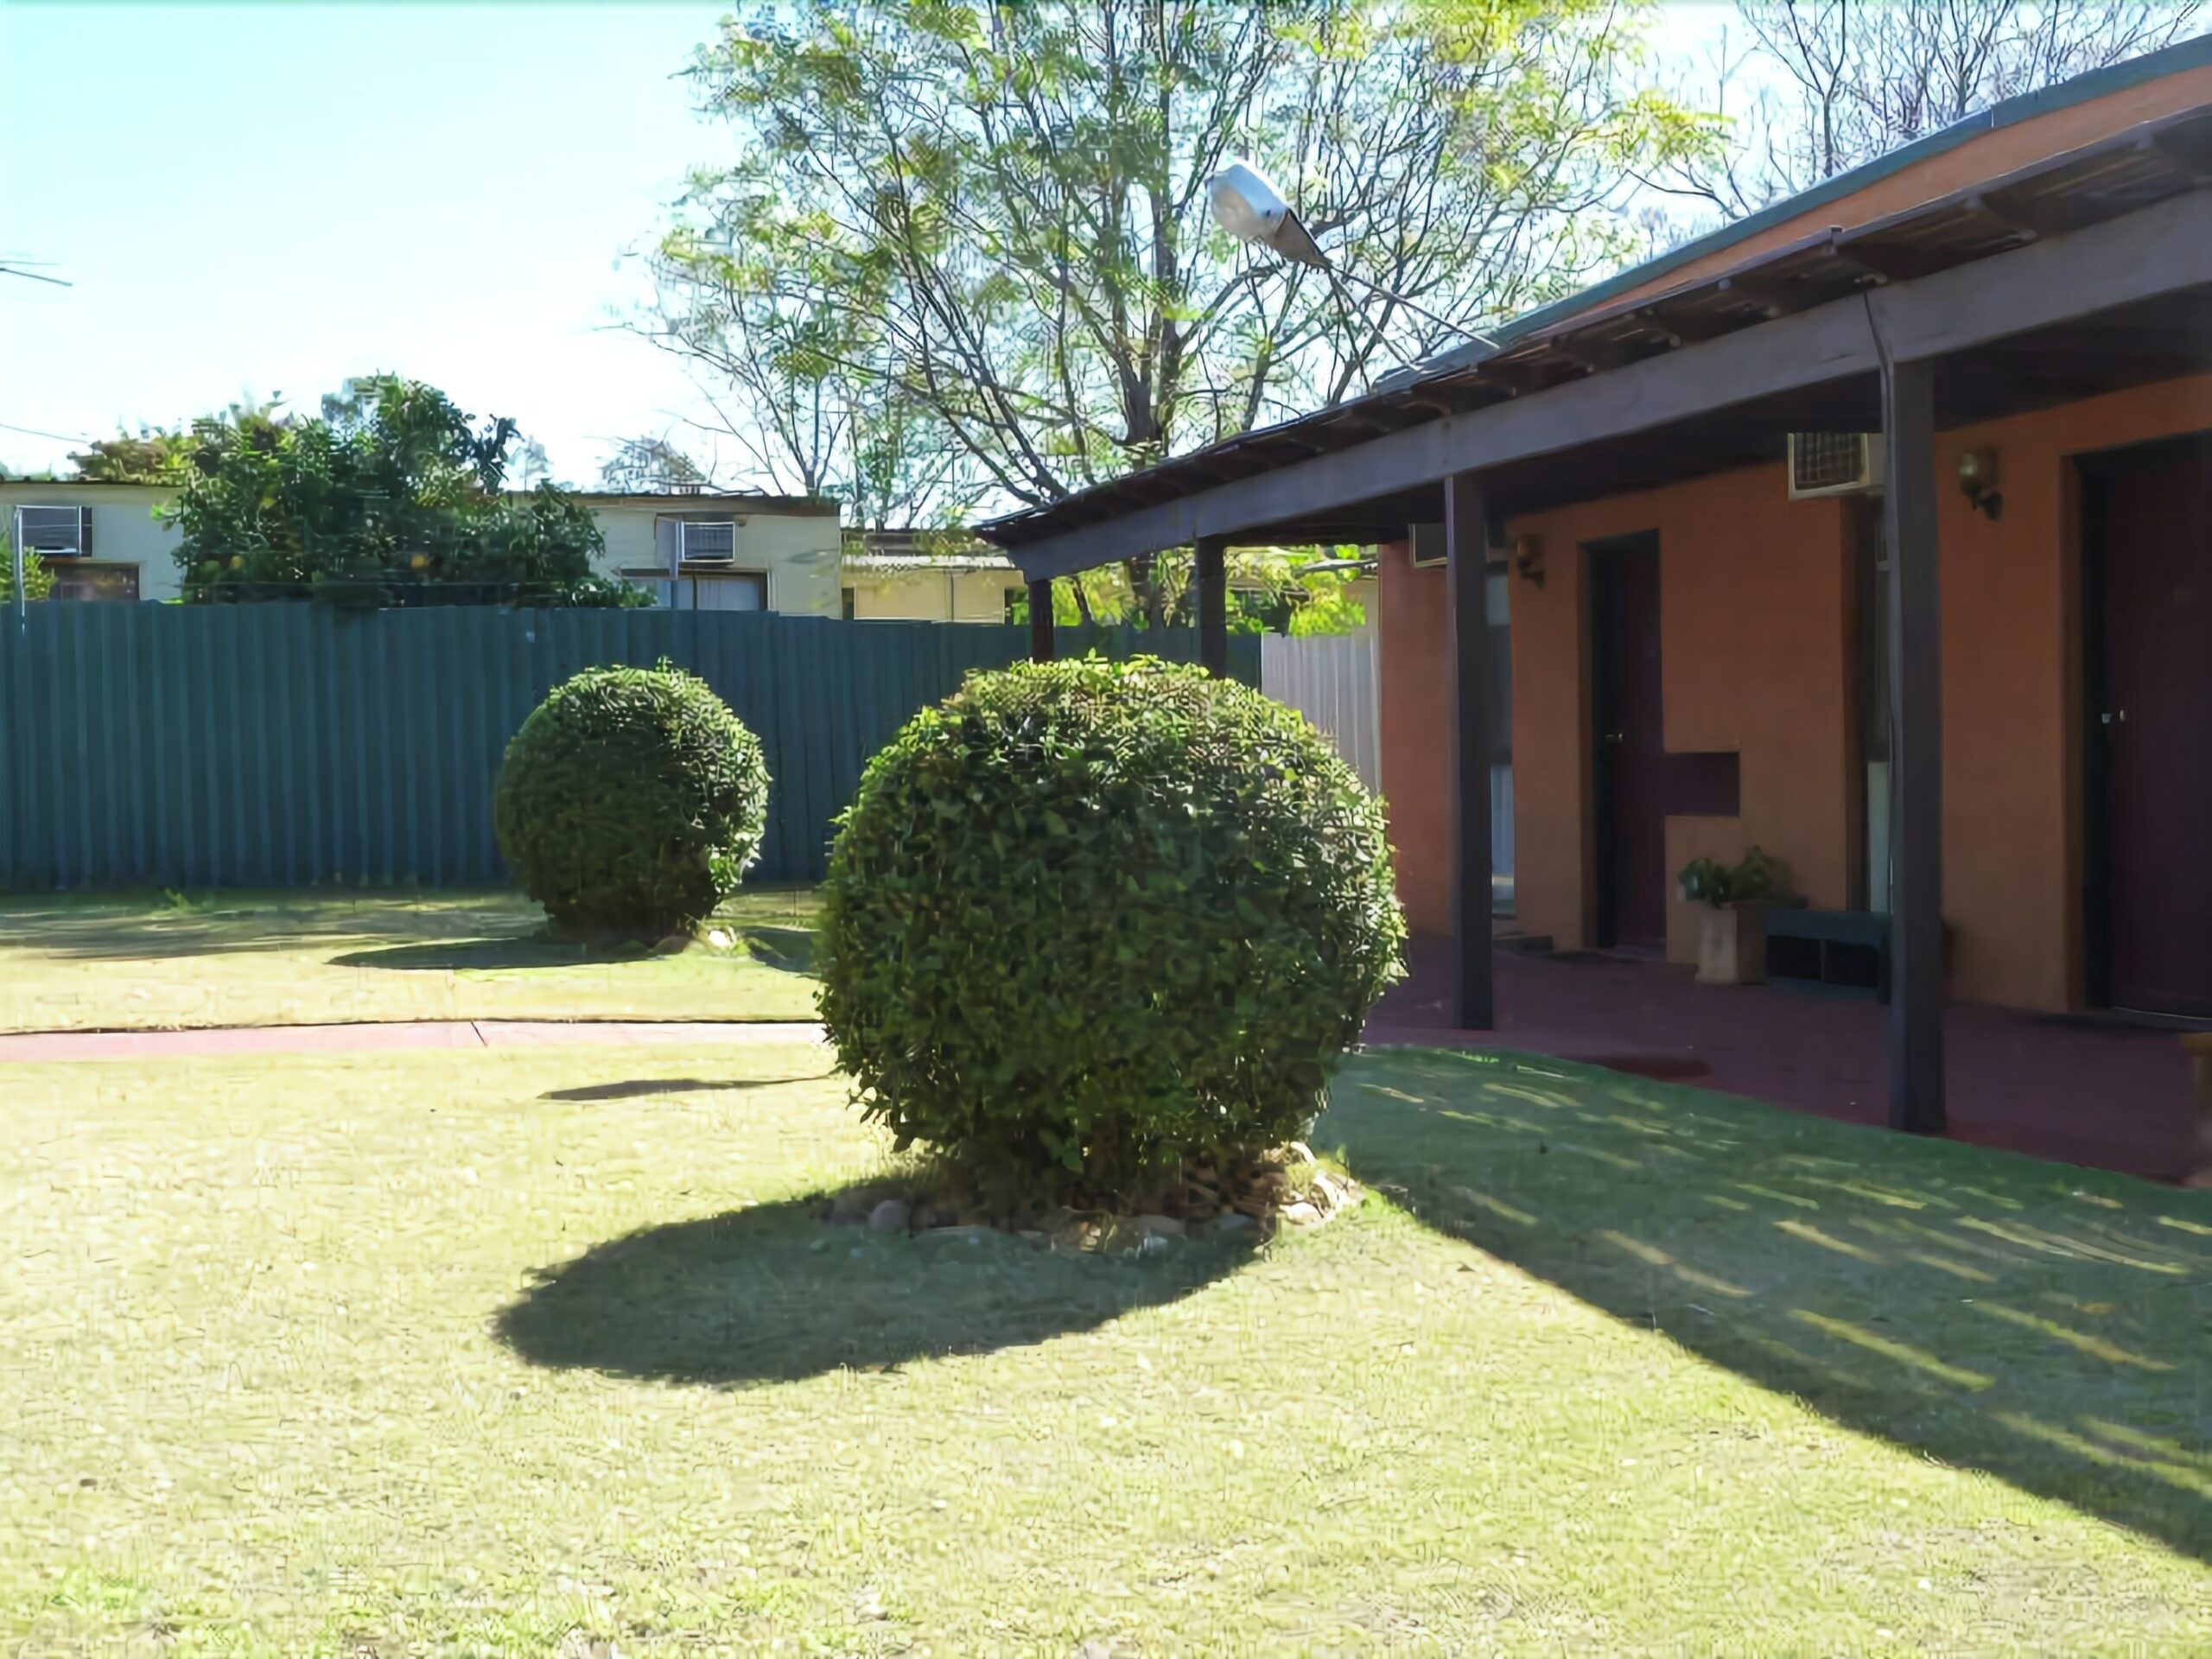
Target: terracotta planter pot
(1732, 943)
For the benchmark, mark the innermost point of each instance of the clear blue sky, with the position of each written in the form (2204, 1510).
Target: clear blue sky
(271, 198)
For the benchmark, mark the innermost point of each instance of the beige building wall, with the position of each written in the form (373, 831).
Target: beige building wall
(123, 533)
(797, 549)
(933, 595)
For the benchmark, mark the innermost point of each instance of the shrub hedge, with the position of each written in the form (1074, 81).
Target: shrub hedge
(1086, 919)
(631, 802)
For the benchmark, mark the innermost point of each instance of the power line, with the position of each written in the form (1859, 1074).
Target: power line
(34, 432)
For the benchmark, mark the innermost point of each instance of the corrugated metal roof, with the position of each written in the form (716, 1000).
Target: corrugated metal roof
(2067, 192)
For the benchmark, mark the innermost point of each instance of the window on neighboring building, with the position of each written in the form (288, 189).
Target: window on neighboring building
(81, 582)
(848, 600)
(739, 590)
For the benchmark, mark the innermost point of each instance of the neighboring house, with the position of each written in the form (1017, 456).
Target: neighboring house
(99, 540)
(1700, 523)
(891, 575)
(888, 575)
(694, 551)
(698, 551)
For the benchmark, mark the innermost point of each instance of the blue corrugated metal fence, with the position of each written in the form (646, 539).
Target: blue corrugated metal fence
(287, 744)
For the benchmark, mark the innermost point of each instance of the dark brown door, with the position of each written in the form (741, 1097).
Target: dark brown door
(2154, 729)
(1631, 755)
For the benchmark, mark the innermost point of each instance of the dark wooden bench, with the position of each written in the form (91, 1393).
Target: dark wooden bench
(1831, 952)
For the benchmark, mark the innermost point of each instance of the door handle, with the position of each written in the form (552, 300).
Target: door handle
(2115, 715)
(1614, 739)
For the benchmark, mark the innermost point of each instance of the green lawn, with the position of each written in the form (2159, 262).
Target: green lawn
(299, 958)
(534, 1352)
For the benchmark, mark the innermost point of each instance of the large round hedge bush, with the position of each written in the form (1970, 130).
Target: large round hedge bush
(1087, 918)
(631, 802)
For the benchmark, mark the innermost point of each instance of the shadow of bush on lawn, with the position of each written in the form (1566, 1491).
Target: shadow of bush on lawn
(771, 1294)
(642, 1088)
(2048, 1325)
(788, 949)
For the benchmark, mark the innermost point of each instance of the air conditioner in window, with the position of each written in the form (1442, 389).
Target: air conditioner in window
(55, 532)
(706, 544)
(1426, 543)
(1834, 463)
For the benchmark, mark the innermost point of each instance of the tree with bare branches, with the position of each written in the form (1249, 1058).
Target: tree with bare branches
(1807, 89)
(962, 259)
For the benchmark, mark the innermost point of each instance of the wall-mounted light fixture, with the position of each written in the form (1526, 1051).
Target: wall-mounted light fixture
(1528, 558)
(1978, 478)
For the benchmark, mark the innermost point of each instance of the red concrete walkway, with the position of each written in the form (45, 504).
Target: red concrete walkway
(2079, 1091)
(393, 1036)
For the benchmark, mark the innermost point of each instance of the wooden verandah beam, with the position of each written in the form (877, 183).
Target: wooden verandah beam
(2161, 249)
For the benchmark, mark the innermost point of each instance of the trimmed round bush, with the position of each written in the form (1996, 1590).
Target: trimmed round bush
(631, 802)
(1087, 919)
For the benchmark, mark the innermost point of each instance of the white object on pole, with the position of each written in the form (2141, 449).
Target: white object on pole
(1248, 206)
(1251, 208)
(15, 552)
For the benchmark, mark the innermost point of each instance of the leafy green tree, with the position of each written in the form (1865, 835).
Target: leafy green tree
(38, 581)
(152, 456)
(391, 497)
(649, 465)
(984, 230)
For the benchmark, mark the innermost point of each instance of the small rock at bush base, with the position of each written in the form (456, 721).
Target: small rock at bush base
(889, 1217)
(674, 945)
(1234, 1223)
(720, 940)
(1300, 1214)
(1160, 1227)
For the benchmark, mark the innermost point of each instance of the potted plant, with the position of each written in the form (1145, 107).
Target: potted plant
(1732, 901)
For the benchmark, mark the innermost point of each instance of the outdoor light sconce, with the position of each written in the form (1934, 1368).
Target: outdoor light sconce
(1978, 478)
(1528, 558)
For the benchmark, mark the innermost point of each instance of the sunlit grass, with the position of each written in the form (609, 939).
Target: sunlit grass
(303, 958)
(518, 1352)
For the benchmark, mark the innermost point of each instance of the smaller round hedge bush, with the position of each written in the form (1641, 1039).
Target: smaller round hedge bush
(631, 802)
(1087, 919)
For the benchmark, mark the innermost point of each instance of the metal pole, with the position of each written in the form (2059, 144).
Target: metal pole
(15, 553)
(1915, 668)
(1466, 548)
(1211, 573)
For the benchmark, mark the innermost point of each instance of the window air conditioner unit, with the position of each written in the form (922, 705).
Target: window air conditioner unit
(1425, 543)
(1834, 463)
(706, 544)
(55, 532)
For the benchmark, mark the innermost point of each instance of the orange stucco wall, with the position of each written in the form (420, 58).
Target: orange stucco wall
(1989, 157)
(1413, 682)
(2011, 691)
(1755, 605)
(1756, 624)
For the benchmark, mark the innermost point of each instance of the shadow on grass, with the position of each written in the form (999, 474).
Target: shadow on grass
(638, 1088)
(771, 1294)
(788, 949)
(2048, 1324)
(142, 930)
